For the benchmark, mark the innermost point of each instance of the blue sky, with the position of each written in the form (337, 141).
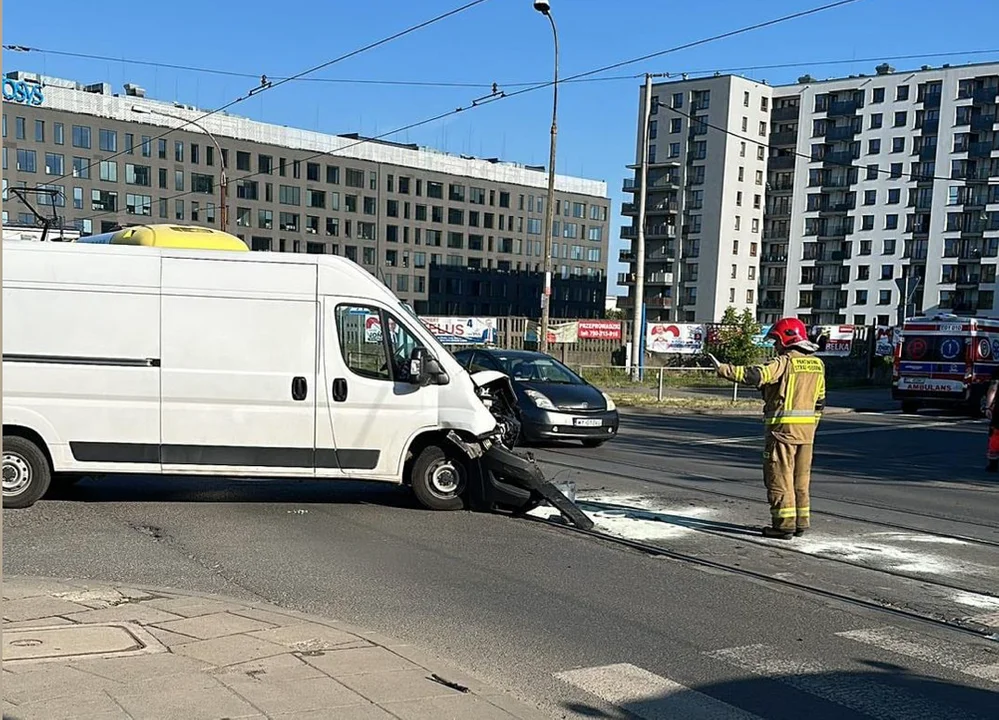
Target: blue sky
(503, 41)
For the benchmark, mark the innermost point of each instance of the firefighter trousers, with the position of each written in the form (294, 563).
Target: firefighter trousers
(787, 473)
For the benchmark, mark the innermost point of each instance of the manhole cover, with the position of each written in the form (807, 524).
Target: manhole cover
(60, 642)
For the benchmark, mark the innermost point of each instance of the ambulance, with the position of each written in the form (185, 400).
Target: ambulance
(945, 360)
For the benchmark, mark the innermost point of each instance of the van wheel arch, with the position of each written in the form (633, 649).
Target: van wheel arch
(431, 453)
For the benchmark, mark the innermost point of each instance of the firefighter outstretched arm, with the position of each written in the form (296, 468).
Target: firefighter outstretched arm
(753, 375)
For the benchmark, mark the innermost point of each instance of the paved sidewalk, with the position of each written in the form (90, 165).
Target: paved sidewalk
(79, 650)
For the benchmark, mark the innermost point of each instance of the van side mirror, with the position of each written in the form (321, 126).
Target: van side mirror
(425, 369)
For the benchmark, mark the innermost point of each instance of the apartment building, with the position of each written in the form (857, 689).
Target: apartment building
(398, 209)
(881, 178)
(872, 183)
(704, 198)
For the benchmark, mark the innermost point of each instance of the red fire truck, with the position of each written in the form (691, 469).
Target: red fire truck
(945, 360)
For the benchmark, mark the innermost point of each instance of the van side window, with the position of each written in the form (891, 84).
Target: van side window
(364, 349)
(360, 332)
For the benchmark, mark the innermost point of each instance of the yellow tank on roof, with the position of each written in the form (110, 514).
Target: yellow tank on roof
(191, 237)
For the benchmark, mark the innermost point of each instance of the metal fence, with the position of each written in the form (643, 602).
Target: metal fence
(662, 381)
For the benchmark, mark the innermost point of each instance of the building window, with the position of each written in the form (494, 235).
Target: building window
(455, 216)
(884, 297)
(242, 160)
(138, 175)
(370, 205)
(178, 179)
(54, 163)
(333, 174)
(877, 120)
(902, 92)
(898, 145)
(195, 153)
(39, 131)
(138, 204)
(456, 193)
(109, 171)
(315, 198)
(288, 222)
(887, 272)
(81, 136)
(59, 133)
(312, 172)
(354, 178)
(108, 140)
(178, 151)
(289, 195)
(104, 200)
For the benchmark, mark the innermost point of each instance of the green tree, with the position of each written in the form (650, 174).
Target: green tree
(614, 314)
(734, 343)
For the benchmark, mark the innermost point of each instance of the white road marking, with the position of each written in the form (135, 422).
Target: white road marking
(650, 696)
(821, 433)
(858, 691)
(964, 659)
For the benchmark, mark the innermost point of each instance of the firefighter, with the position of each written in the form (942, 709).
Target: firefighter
(992, 453)
(793, 386)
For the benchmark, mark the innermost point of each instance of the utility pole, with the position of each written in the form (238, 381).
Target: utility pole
(638, 319)
(546, 295)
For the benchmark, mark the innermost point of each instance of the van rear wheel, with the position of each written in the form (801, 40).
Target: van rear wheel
(26, 472)
(439, 479)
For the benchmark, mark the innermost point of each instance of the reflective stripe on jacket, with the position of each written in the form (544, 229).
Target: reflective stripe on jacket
(794, 393)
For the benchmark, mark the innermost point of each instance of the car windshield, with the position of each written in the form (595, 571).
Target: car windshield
(538, 368)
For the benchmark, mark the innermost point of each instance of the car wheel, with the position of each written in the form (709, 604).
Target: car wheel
(439, 480)
(593, 443)
(26, 472)
(910, 407)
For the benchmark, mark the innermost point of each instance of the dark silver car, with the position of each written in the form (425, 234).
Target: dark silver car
(555, 403)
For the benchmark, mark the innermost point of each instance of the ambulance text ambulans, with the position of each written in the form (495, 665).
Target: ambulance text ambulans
(945, 360)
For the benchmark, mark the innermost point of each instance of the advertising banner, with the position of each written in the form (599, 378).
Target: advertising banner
(372, 329)
(833, 340)
(675, 338)
(885, 340)
(562, 333)
(599, 330)
(760, 339)
(462, 330)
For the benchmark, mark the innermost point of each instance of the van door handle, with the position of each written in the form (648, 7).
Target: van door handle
(299, 388)
(340, 390)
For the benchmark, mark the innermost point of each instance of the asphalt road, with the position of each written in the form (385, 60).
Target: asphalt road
(588, 629)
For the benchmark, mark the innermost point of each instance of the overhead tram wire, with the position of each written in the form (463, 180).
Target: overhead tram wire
(266, 85)
(498, 95)
(487, 85)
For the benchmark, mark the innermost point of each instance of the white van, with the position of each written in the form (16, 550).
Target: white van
(142, 360)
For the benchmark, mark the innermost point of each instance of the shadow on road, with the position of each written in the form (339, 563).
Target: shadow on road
(156, 488)
(885, 691)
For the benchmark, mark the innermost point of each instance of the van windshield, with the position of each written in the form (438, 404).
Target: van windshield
(933, 348)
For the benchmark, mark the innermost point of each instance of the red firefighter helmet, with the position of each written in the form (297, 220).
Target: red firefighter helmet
(788, 332)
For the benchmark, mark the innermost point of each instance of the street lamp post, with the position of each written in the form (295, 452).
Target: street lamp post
(223, 179)
(544, 7)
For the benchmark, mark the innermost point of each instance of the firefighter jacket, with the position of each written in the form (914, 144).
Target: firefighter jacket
(794, 393)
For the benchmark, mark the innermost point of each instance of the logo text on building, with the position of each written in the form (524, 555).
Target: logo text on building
(22, 92)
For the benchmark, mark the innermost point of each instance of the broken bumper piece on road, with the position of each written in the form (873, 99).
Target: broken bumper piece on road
(512, 482)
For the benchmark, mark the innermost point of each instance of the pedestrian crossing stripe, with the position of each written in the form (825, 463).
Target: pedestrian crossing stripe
(961, 658)
(650, 696)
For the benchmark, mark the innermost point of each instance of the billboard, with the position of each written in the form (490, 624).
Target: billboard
(833, 340)
(599, 330)
(885, 339)
(562, 333)
(462, 330)
(676, 338)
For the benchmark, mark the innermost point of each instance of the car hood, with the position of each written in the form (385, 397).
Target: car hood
(567, 397)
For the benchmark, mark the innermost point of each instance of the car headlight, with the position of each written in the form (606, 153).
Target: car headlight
(610, 402)
(540, 400)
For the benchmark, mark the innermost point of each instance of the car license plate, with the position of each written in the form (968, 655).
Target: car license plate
(587, 422)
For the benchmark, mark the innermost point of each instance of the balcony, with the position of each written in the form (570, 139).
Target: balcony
(834, 256)
(666, 206)
(789, 137)
(986, 95)
(659, 279)
(847, 132)
(626, 278)
(769, 304)
(831, 183)
(781, 259)
(659, 255)
(929, 126)
(843, 107)
(629, 208)
(629, 185)
(927, 153)
(781, 162)
(981, 149)
(658, 302)
(983, 123)
(838, 158)
(783, 114)
(629, 233)
(662, 230)
(842, 207)
(626, 256)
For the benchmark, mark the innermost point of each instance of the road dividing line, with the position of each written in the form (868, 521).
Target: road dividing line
(856, 690)
(649, 696)
(962, 658)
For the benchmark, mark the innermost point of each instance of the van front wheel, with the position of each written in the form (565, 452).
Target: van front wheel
(439, 479)
(26, 472)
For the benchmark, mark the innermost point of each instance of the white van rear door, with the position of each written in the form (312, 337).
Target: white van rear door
(374, 411)
(238, 367)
